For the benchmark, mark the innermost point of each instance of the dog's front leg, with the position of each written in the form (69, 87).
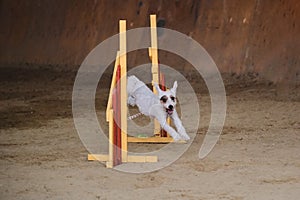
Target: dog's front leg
(169, 129)
(162, 119)
(179, 126)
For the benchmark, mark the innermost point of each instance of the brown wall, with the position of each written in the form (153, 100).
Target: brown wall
(250, 35)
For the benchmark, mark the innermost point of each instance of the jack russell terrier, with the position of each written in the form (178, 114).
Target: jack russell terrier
(159, 106)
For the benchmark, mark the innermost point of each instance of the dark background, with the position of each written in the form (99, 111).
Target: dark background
(241, 36)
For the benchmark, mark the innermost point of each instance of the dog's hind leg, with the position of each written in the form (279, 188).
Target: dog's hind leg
(179, 126)
(131, 100)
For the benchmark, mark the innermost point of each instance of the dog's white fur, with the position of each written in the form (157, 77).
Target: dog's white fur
(150, 104)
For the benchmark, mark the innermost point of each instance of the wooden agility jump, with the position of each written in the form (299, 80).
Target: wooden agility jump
(157, 77)
(116, 112)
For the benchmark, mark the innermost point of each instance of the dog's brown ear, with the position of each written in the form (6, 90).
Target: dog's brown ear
(174, 88)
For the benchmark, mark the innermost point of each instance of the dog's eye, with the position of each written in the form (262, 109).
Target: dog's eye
(164, 99)
(173, 98)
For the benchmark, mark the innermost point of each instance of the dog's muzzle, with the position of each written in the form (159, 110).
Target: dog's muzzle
(170, 109)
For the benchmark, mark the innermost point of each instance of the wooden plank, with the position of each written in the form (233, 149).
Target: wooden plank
(99, 157)
(150, 53)
(154, 53)
(142, 159)
(109, 164)
(110, 137)
(117, 118)
(153, 140)
(123, 63)
(112, 85)
(154, 59)
(131, 158)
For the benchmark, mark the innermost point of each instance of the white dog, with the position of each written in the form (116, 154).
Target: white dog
(158, 106)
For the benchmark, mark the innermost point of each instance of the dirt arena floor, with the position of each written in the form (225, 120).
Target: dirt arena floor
(42, 157)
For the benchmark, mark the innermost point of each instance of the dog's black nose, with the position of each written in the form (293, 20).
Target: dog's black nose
(170, 107)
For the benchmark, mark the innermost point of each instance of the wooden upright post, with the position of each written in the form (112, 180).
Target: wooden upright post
(123, 63)
(154, 53)
(154, 58)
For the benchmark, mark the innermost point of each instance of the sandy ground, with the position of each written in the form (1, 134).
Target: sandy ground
(42, 157)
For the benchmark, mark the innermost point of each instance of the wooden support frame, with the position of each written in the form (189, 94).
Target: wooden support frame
(119, 68)
(121, 64)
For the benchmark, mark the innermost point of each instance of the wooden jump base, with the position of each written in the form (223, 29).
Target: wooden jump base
(116, 112)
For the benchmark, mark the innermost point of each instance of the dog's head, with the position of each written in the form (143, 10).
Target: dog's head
(167, 98)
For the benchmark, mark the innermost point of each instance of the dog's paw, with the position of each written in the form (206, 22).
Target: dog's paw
(185, 136)
(177, 138)
(131, 101)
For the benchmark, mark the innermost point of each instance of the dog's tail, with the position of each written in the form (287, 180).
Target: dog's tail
(134, 116)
